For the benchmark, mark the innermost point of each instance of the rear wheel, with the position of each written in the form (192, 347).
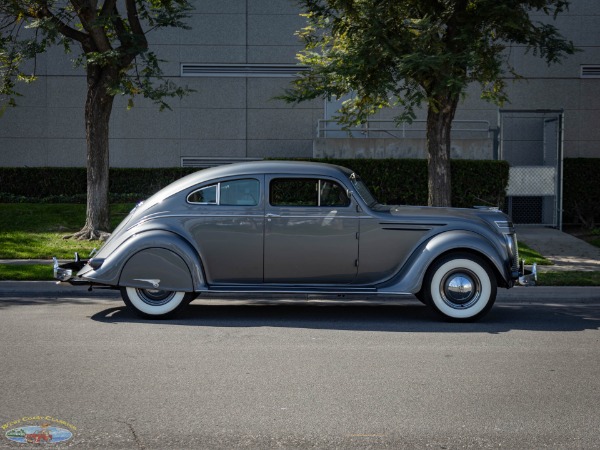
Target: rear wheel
(155, 303)
(460, 287)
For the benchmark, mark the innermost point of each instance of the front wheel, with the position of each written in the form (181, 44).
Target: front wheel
(155, 303)
(460, 287)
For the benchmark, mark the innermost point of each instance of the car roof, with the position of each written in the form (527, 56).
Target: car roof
(308, 168)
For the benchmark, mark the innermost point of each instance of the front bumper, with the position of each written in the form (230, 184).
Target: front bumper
(527, 276)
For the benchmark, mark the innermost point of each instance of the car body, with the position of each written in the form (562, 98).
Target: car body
(299, 227)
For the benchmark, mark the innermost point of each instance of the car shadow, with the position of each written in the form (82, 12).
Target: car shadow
(407, 317)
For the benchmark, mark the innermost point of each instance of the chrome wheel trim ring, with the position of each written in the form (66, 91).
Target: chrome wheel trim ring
(155, 297)
(460, 289)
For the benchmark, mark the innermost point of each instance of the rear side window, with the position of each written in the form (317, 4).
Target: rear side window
(228, 193)
(307, 192)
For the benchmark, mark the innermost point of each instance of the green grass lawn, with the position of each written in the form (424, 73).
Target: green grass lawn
(26, 272)
(36, 231)
(531, 256)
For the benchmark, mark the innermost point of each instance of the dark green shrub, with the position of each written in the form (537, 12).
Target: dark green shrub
(392, 181)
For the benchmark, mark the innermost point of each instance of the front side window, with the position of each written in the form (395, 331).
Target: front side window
(228, 193)
(307, 192)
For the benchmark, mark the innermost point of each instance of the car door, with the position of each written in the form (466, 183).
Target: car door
(311, 231)
(227, 226)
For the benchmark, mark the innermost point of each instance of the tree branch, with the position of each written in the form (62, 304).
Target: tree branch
(45, 13)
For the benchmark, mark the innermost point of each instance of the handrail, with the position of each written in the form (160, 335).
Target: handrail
(367, 129)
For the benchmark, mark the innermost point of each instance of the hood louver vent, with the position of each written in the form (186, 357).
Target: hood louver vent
(590, 71)
(241, 70)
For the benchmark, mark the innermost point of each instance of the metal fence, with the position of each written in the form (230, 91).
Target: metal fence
(531, 142)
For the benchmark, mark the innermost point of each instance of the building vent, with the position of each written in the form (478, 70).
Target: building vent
(205, 162)
(590, 71)
(241, 70)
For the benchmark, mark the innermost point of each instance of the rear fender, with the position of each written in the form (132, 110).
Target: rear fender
(410, 278)
(150, 255)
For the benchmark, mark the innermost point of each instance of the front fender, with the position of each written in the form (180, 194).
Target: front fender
(149, 255)
(410, 277)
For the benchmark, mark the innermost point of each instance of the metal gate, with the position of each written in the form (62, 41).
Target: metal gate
(532, 143)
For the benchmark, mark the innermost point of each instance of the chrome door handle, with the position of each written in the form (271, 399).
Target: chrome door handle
(271, 215)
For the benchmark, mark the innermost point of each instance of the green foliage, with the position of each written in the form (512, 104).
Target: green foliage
(582, 191)
(109, 41)
(407, 52)
(392, 181)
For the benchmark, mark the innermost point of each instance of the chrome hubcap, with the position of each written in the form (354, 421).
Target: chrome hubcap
(460, 289)
(155, 297)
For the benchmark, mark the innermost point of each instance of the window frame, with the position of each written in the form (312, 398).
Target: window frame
(218, 193)
(319, 181)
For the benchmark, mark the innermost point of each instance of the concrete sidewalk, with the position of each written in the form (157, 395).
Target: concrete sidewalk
(567, 252)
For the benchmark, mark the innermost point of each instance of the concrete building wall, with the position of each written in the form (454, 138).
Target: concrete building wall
(236, 117)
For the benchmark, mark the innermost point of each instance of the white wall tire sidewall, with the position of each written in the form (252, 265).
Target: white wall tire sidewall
(161, 310)
(484, 279)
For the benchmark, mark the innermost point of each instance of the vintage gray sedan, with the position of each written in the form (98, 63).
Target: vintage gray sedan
(299, 227)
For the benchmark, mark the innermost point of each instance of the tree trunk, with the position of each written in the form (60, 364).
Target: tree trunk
(98, 107)
(439, 128)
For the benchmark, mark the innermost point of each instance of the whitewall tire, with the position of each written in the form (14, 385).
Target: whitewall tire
(155, 303)
(460, 287)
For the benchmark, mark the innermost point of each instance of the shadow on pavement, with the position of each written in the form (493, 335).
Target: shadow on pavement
(409, 317)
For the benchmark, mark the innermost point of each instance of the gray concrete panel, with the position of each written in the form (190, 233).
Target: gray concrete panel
(584, 8)
(280, 148)
(60, 63)
(274, 29)
(280, 124)
(589, 31)
(213, 124)
(19, 152)
(66, 152)
(273, 54)
(31, 94)
(66, 123)
(144, 153)
(169, 59)
(145, 123)
(215, 29)
(163, 36)
(219, 7)
(584, 149)
(262, 93)
(575, 121)
(66, 92)
(215, 93)
(227, 54)
(214, 148)
(25, 122)
(273, 7)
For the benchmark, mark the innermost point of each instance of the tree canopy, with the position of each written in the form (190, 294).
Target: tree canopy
(113, 51)
(407, 53)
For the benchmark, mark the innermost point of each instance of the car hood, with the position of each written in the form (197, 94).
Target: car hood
(439, 214)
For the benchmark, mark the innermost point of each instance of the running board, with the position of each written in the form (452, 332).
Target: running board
(290, 290)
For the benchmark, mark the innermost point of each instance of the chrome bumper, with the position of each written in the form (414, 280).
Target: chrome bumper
(527, 277)
(64, 272)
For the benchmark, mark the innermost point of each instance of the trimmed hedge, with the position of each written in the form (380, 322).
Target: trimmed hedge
(392, 181)
(404, 181)
(581, 191)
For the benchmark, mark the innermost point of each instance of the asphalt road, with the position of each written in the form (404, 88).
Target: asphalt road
(301, 374)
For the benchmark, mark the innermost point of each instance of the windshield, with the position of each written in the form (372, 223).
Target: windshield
(363, 190)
